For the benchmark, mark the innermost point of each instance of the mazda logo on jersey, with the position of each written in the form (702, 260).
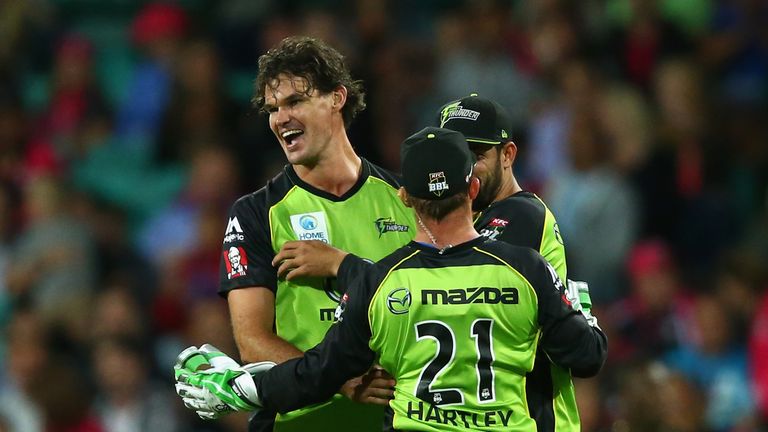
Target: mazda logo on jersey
(399, 301)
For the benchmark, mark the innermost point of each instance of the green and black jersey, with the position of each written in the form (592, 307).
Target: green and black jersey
(369, 220)
(523, 219)
(458, 331)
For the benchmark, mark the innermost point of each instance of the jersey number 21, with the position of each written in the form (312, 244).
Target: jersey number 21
(481, 331)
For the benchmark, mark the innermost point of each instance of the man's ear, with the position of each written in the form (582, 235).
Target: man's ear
(339, 97)
(474, 188)
(403, 196)
(508, 154)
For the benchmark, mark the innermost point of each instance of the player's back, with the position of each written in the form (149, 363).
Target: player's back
(459, 332)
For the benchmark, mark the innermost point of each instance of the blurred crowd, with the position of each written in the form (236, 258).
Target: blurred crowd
(126, 132)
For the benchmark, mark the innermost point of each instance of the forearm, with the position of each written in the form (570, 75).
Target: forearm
(266, 347)
(252, 311)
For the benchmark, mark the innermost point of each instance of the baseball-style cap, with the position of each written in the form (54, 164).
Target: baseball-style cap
(436, 163)
(481, 120)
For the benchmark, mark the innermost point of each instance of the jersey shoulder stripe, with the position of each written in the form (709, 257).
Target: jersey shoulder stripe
(524, 260)
(384, 175)
(268, 195)
(384, 268)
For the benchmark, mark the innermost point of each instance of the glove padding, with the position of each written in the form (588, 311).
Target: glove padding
(577, 293)
(223, 387)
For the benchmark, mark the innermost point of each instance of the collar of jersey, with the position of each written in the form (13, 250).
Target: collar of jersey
(432, 250)
(364, 173)
(519, 194)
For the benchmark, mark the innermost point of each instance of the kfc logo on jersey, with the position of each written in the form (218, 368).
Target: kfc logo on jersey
(494, 228)
(234, 232)
(236, 262)
(496, 222)
(310, 226)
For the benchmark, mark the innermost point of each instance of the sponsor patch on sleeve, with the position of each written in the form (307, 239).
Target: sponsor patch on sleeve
(236, 262)
(234, 231)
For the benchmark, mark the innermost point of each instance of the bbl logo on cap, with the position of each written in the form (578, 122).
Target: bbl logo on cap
(437, 184)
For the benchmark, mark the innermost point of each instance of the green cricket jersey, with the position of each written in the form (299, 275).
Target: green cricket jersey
(524, 220)
(459, 332)
(369, 221)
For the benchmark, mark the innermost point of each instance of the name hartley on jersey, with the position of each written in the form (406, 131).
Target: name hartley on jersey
(430, 413)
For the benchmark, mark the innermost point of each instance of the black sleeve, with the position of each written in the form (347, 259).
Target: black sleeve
(517, 220)
(569, 341)
(351, 268)
(343, 354)
(247, 237)
(526, 225)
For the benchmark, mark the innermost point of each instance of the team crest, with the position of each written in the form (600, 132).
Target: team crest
(387, 224)
(437, 183)
(236, 262)
(456, 111)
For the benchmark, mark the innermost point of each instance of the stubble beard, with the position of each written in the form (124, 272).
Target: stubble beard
(488, 190)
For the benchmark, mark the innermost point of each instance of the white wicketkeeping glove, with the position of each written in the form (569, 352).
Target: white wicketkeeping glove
(577, 293)
(223, 387)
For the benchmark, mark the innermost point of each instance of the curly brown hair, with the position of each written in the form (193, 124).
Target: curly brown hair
(317, 62)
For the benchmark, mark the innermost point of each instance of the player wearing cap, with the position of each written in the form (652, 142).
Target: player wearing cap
(510, 214)
(456, 319)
